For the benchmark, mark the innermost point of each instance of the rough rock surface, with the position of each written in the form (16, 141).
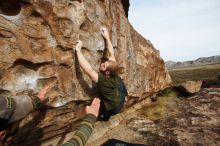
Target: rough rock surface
(36, 49)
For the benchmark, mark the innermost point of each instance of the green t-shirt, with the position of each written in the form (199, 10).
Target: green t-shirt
(108, 90)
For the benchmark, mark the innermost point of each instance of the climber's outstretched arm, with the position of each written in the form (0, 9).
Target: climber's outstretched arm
(110, 48)
(84, 130)
(84, 63)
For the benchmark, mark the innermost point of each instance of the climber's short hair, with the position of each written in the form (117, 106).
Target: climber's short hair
(113, 67)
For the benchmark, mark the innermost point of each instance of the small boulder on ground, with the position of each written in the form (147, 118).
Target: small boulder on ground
(190, 87)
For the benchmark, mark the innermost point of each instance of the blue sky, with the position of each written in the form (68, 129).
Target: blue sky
(180, 29)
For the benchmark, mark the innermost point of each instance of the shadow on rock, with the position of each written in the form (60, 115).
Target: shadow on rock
(28, 131)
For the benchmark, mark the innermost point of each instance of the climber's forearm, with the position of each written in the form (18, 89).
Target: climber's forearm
(110, 49)
(83, 62)
(86, 66)
(35, 101)
(83, 132)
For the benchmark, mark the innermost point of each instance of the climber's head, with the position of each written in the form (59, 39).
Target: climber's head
(109, 67)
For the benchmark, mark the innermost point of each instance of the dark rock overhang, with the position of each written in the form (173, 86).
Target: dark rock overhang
(10, 7)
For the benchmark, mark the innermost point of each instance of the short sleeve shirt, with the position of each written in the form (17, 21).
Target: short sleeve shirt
(108, 90)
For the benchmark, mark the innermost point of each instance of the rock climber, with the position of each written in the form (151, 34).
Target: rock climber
(110, 86)
(17, 107)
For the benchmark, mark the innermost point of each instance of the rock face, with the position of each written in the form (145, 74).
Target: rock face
(36, 50)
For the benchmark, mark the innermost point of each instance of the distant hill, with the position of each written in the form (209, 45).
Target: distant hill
(197, 62)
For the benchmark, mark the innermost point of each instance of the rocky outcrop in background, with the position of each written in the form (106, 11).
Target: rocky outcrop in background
(198, 62)
(36, 50)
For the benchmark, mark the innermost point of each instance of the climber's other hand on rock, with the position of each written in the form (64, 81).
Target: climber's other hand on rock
(2, 135)
(94, 107)
(105, 32)
(79, 45)
(42, 93)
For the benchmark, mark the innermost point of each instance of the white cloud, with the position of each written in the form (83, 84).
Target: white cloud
(180, 29)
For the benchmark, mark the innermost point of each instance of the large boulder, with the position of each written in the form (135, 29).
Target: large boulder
(36, 50)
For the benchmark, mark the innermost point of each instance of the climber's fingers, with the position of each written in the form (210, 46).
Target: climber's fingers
(78, 45)
(95, 102)
(79, 41)
(104, 32)
(43, 92)
(94, 107)
(2, 135)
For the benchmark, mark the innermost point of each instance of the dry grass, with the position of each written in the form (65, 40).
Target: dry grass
(206, 72)
(164, 105)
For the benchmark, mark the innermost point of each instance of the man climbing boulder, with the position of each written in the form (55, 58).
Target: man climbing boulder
(110, 86)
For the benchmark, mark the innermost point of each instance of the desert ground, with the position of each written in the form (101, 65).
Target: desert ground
(205, 72)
